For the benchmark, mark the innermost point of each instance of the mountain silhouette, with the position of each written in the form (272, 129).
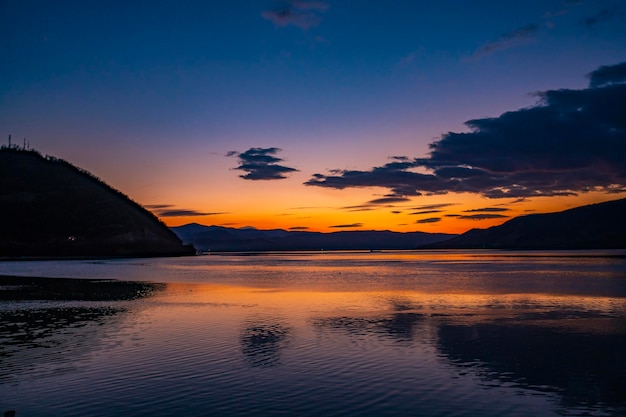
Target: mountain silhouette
(595, 226)
(51, 208)
(217, 238)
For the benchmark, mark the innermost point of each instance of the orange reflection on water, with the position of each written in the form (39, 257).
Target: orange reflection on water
(298, 307)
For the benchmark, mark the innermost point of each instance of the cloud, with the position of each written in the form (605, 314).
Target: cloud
(429, 220)
(358, 208)
(261, 164)
(158, 206)
(302, 14)
(394, 176)
(346, 226)
(389, 200)
(486, 209)
(376, 204)
(299, 228)
(482, 216)
(426, 212)
(168, 210)
(602, 16)
(570, 142)
(433, 206)
(607, 75)
(183, 213)
(508, 40)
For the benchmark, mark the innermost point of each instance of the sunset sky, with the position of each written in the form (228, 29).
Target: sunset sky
(326, 115)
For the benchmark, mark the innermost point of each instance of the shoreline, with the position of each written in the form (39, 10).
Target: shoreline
(22, 288)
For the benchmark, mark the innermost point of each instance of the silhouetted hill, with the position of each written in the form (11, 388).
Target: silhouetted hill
(596, 226)
(217, 238)
(49, 207)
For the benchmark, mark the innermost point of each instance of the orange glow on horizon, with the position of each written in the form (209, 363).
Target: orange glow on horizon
(414, 215)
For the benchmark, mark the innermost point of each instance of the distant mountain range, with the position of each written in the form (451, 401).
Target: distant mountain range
(596, 226)
(50, 208)
(217, 238)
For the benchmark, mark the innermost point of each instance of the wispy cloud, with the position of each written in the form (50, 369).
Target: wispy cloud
(158, 206)
(603, 15)
(168, 210)
(299, 13)
(482, 216)
(346, 226)
(388, 200)
(434, 206)
(429, 220)
(185, 213)
(426, 212)
(521, 153)
(508, 40)
(486, 210)
(261, 164)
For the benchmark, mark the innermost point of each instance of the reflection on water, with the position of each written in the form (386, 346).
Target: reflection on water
(399, 322)
(49, 340)
(262, 342)
(586, 369)
(48, 336)
(335, 334)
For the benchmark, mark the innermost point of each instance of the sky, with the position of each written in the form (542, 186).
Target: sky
(326, 115)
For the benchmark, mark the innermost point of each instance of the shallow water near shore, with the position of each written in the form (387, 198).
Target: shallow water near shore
(438, 333)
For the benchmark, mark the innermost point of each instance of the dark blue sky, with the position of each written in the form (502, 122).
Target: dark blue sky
(152, 95)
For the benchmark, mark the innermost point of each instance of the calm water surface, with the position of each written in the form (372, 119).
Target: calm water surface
(322, 334)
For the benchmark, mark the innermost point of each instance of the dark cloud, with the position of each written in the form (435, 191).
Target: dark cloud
(183, 213)
(429, 220)
(570, 142)
(389, 200)
(486, 209)
(168, 210)
(299, 228)
(358, 208)
(346, 226)
(516, 201)
(508, 40)
(394, 176)
(606, 75)
(433, 206)
(299, 13)
(158, 206)
(603, 15)
(426, 212)
(261, 164)
(482, 216)
(376, 204)
(396, 212)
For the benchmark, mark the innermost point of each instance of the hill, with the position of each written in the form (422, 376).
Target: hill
(596, 226)
(49, 208)
(217, 238)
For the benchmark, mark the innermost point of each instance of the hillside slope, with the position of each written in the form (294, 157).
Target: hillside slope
(596, 226)
(49, 207)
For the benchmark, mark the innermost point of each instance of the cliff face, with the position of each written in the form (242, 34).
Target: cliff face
(49, 207)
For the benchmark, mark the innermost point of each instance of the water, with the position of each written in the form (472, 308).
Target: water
(439, 333)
